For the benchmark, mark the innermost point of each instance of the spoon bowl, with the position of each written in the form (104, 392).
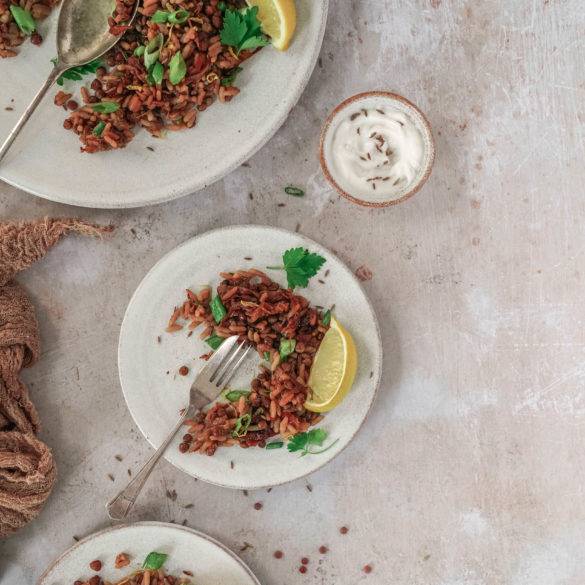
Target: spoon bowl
(83, 32)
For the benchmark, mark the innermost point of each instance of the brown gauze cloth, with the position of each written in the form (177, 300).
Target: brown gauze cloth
(27, 468)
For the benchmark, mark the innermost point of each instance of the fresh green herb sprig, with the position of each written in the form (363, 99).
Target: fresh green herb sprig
(77, 73)
(242, 424)
(287, 346)
(304, 441)
(172, 17)
(266, 356)
(230, 77)
(300, 266)
(326, 320)
(24, 19)
(242, 30)
(154, 561)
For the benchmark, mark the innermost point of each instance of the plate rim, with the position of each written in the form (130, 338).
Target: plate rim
(148, 523)
(375, 381)
(197, 185)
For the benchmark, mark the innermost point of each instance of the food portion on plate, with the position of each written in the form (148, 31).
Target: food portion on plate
(308, 360)
(172, 62)
(151, 572)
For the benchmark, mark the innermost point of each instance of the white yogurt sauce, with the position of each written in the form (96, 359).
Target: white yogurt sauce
(376, 151)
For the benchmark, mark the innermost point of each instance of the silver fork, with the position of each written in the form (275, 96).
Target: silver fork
(208, 385)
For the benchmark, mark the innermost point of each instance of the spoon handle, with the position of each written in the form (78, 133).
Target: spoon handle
(54, 75)
(119, 507)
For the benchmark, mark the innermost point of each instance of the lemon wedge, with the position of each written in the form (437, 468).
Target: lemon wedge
(279, 20)
(333, 369)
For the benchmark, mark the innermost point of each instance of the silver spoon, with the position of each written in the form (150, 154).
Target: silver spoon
(83, 35)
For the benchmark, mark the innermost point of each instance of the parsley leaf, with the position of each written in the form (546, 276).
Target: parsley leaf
(217, 309)
(300, 265)
(242, 29)
(287, 346)
(154, 561)
(77, 73)
(326, 319)
(303, 441)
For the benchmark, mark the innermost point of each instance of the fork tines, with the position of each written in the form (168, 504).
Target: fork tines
(228, 359)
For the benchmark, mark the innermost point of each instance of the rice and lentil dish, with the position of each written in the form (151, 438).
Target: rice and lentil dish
(172, 63)
(285, 331)
(151, 572)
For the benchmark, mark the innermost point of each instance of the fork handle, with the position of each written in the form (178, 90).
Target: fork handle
(119, 507)
(53, 76)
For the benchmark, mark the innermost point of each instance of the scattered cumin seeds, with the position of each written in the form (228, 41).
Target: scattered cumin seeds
(248, 258)
(232, 464)
(158, 339)
(188, 506)
(111, 477)
(309, 487)
(129, 472)
(188, 573)
(245, 492)
(9, 109)
(246, 546)
(119, 457)
(150, 148)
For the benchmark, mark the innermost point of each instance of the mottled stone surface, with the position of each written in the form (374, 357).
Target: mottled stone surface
(469, 471)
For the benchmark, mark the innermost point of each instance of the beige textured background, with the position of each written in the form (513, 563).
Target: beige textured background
(470, 470)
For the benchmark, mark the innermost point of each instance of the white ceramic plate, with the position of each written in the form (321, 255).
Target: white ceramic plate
(46, 159)
(210, 562)
(155, 397)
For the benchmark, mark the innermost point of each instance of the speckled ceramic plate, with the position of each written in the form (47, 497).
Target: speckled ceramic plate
(46, 159)
(210, 562)
(155, 397)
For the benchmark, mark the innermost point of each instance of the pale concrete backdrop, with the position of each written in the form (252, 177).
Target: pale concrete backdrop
(470, 470)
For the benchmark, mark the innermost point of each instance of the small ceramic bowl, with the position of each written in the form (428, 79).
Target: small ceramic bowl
(378, 99)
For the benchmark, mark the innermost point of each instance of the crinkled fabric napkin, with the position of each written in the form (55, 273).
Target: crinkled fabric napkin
(27, 468)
